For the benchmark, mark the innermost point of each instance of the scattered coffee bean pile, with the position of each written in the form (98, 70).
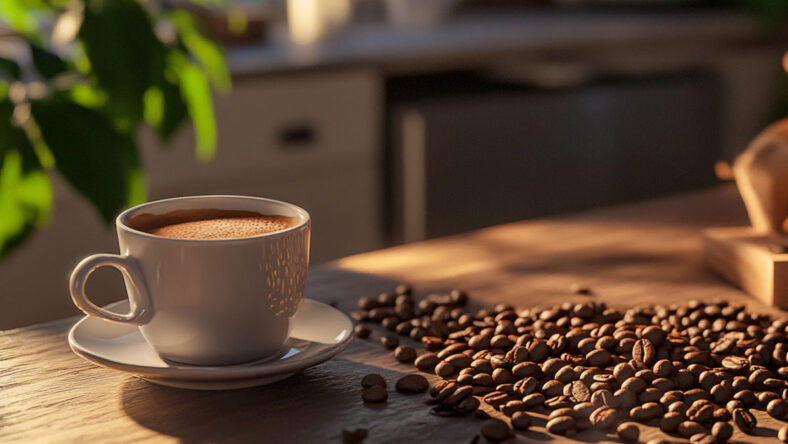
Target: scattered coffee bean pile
(691, 370)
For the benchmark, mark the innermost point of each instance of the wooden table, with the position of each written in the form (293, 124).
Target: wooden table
(642, 253)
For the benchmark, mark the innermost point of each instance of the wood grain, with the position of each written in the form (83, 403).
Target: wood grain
(745, 258)
(644, 253)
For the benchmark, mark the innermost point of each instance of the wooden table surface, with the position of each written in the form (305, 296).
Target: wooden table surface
(642, 253)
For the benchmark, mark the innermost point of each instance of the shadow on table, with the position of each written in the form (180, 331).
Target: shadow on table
(262, 414)
(313, 406)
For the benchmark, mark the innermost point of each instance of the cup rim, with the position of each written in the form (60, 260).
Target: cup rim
(306, 219)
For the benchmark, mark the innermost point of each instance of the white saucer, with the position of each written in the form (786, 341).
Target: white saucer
(318, 333)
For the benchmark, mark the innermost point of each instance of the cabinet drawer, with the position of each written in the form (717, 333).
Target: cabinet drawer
(281, 126)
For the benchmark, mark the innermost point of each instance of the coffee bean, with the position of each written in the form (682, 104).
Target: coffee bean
(354, 436)
(511, 407)
(701, 414)
(517, 354)
(757, 377)
(678, 406)
(600, 377)
(650, 394)
(747, 397)
(479, 342)
(427, 362)
(628, 431)
(721, 414)
(438, 386)
(603, 398)
(663, 384)
(521, 420)
(552, 388)
(561, 425)
(482, 365)
(482, 379)
(663, 368)
(373, 379)
(623, 371)
(362, 331)
(525, 386)
(495, 399)
(432, 343)
(744, 420)
(764, 398)
(598, 357)
(467, 406)
(526, 369)
(404, 354)
(690, 396)
(367, 303)
(412, 384)
(502, 376)
(538, 351)
(374, 394)
(722, 431)
(443, 392)
(777, 408)
(646, 375)
(464, 378)
(735, 363)
(390, 323)
(683, 379)
(603, 418)
(646, 412)
(703, 438)
(670, 421)
(634, 384)
(644, 352)
(782, 435)
(390, 342)
(734, 404)
(495, 430)
(578, 390)
(557, 402)
(444, 369)
(533, 400)
(458, 360)
(689, 428)
(452, 349)
(582, 410)
(458, 395)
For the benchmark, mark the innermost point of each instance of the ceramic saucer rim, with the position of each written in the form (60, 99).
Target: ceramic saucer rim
(220, 373)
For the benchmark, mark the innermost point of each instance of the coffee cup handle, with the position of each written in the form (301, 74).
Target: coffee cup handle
(139, 299)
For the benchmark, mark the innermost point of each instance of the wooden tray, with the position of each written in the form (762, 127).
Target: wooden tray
(755, 263)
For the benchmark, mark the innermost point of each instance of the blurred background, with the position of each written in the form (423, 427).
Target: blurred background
(390, 121)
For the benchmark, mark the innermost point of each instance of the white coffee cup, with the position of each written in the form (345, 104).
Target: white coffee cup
(207, 301)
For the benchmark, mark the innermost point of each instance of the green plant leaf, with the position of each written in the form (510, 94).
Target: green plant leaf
(208, 54)
(136, 180)
(118, 40)
(88, 152)
(25, 188)
(9, 68)
(47, 63)
(165, 109)
(19, 16)
(87, 96)
(196, 93)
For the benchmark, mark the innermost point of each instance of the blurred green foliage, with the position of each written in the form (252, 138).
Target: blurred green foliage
(100, 69)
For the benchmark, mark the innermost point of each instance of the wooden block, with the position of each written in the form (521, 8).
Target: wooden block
(747, 260)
